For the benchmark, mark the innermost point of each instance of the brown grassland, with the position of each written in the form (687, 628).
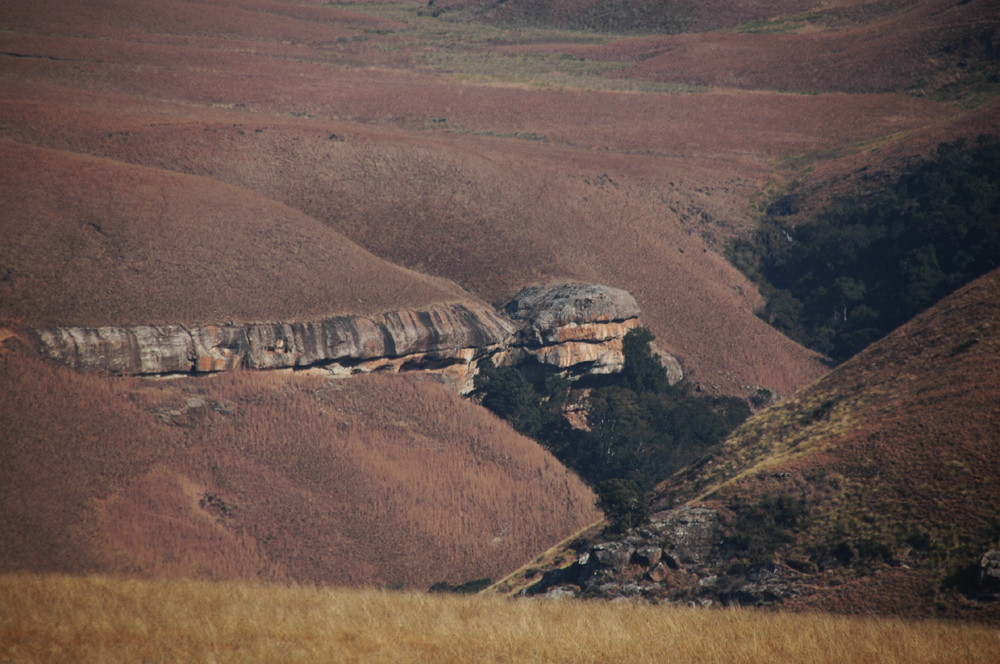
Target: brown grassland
(378, 480)
(895, 450)
(96, 619)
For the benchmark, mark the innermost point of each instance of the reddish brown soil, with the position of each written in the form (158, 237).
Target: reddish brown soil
(375, 480)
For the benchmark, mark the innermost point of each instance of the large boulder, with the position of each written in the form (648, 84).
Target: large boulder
(691, 531)
(555, 314)
(989, 572)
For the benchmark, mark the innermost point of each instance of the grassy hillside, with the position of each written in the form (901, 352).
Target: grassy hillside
(932, 47)
(94, 619)
(266, 477)
(173, 161)
(893, 459)
(872, 491)
(90, 241)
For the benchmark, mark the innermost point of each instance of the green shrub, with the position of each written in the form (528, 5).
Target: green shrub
(623, 503)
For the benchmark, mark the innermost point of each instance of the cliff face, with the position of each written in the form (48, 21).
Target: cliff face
(571, 329)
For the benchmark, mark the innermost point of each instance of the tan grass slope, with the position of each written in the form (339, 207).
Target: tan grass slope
(379, 480)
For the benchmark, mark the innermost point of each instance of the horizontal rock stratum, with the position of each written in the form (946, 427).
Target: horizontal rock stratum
(573, 329)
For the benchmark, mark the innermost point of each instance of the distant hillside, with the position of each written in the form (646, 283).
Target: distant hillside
(622, 16)
(263, 477)
(950, 49)
(378, 128)
(874, 490)
(91, 241)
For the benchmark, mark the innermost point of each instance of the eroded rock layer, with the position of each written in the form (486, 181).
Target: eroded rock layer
(570, 329)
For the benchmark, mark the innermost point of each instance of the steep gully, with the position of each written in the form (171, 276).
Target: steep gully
(573, 329)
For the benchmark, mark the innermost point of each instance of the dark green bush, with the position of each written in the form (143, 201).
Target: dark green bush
(641, 428)
(467, 588)
(873, 260)
(623, 503)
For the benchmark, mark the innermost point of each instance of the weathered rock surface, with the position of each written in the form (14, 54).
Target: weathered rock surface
(613, 554)
(572, 325)
(555, 314)
(693, 532)
(675, 372)
(435, 339)
(679, 556)
(989, 572)
(573, 330)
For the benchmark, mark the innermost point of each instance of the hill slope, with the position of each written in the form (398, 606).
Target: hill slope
(352, 120)
(92, 241)
(264, 477)
(894, 454)
(857, 47)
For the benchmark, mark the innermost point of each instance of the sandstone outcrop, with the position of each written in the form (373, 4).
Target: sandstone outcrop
(440, 338)
(573, 330)
(572, 325)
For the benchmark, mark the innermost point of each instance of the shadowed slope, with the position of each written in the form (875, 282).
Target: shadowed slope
(91, 241)
(376, 480)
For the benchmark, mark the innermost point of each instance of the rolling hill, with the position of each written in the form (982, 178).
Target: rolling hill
(430, 171)
(263, 477)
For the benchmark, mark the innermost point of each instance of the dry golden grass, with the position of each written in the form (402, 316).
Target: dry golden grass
(95, 619)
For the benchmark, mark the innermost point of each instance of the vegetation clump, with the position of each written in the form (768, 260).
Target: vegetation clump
(761, 527)
(623, 503)
(640, 428)
(467, 588)
(872, 261)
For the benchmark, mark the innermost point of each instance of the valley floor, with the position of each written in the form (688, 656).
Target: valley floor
(100, 619)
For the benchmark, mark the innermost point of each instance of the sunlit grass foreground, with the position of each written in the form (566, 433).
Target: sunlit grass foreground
(93, 619)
